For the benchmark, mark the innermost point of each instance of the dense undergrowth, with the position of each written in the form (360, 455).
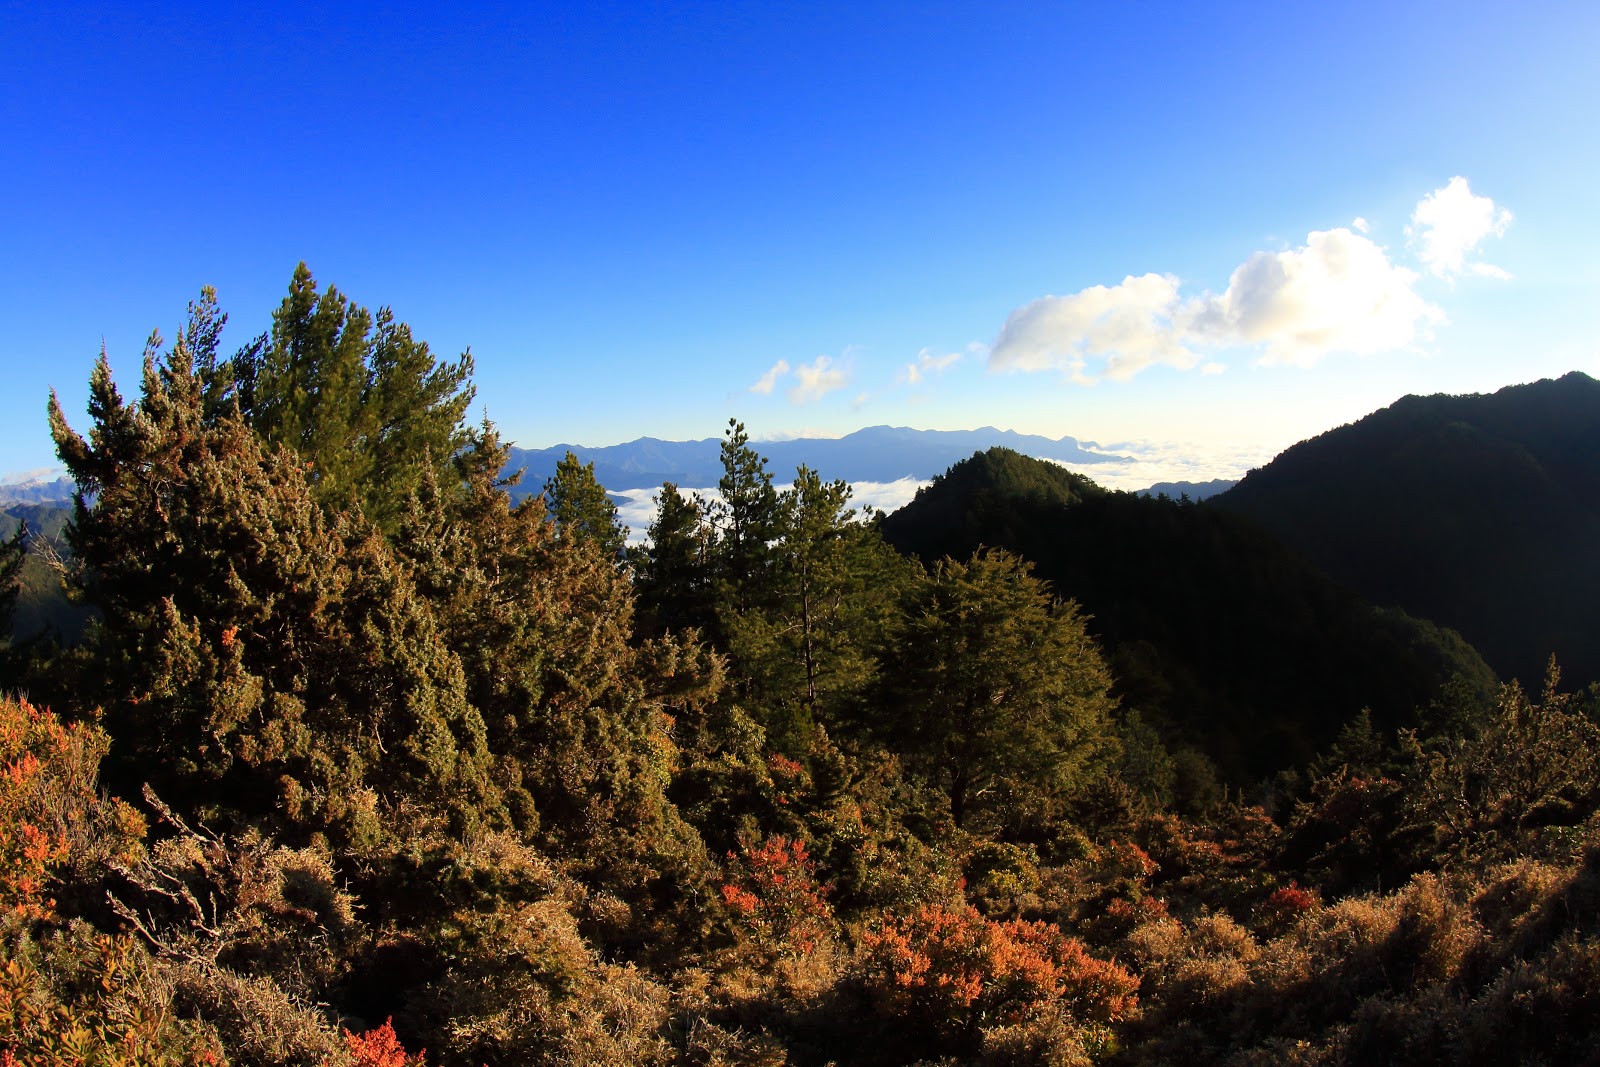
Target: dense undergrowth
(351, 769)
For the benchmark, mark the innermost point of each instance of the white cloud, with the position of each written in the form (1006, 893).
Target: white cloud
(1339, 292)
(816, 380)
(927, 364)
(884, 496)
(1450, 223)
(637, 508)
(770, 379)
(1360, 225)
(1128, 326)
(805, 433)
(1150, 462)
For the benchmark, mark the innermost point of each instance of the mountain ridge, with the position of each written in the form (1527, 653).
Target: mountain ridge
(1479, 511)
(871, 454)
(1215, 630)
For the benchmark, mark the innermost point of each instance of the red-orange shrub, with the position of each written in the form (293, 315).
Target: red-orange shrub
(955, 969)
(380, 1048)
(774, 893)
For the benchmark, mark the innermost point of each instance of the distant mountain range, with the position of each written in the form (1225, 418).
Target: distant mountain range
(35, 487)
(874, 454)
(1195, 491)
(1479, 512)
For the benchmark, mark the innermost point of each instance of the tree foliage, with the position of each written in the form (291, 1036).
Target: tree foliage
(13, 553)
(581, 509)
(988, 678)
(353, 393)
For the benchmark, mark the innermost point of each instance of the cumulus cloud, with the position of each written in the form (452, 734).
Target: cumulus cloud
(816, 380)
(765, 385)
(1450, 223)
(1127, 328)
(1339, 292)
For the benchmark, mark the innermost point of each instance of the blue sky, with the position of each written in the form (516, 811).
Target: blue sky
(1123, 222)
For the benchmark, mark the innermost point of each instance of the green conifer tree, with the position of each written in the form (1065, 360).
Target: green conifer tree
(989, 679)
(746, 519)
(255, 659)
(13, 553)
(804, 645)
(581, 509)
(672, 570)
(360, 400)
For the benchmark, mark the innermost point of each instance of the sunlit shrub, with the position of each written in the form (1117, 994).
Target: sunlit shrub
(380, 1048)
(50, 812)
(951, 968)
(773, 893)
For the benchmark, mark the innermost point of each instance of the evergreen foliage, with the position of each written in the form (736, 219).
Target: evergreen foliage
(13, 553)
(250, 651)
(746, 519)
(988, 680)
(761, 791)
(580, 507)
(804, 646)
(672, 577)
(361, 401)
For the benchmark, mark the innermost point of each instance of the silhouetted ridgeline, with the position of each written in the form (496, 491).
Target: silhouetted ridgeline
(1212, 627)
(1479, 512)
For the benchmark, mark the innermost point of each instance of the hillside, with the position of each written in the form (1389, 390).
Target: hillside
(42, 603)
(1214, 630)
(1480, 512)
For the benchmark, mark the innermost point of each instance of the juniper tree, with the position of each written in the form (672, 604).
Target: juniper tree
(543, 625)
(254, 657)
(988, 679)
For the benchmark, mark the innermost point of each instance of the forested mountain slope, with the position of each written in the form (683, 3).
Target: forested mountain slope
(1213, 629)
(1479, 512)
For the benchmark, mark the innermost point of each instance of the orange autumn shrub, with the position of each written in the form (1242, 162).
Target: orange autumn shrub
(50, 809)
(953, 969)
(380, 1048)
(32, 742)
(775, 895)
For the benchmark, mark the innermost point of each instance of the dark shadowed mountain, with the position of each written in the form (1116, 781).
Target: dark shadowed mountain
(874, 454)
(1214, 630)
(1481, 512)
